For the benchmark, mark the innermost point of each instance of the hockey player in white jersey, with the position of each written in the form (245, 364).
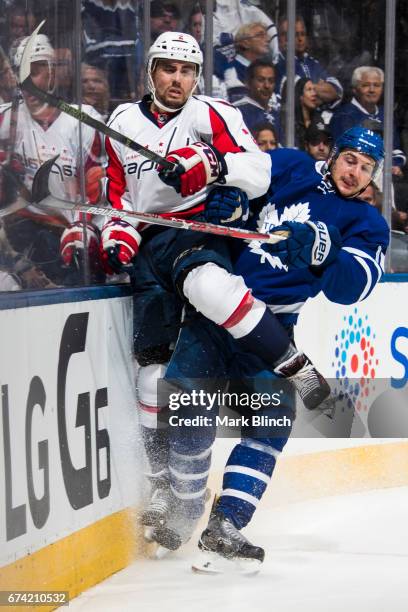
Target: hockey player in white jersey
(39, 132)
(173, 270)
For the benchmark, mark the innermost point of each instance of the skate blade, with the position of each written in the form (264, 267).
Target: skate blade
(212, 563)
(155, 551)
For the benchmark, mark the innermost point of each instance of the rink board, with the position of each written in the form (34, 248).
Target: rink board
(70, 453)
(70, 460)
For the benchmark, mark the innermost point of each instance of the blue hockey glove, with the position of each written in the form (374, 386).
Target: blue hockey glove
(227, 206)
(312, 243)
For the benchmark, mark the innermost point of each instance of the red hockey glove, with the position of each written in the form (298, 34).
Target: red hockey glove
(72, 243)
(199, 165)
(120, 244)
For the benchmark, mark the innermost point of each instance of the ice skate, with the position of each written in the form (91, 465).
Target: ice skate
(178, 529)
(224, 549)
(160, 506)
(310, 384)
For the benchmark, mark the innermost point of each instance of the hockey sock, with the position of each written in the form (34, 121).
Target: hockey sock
(156, 443)
(188, 480)
(269, 340)
(246, 476)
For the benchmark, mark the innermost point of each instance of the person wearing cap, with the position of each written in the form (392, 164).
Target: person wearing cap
(318, 141)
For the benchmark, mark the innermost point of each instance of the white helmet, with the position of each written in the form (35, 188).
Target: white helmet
(42, 51)
(175, 46)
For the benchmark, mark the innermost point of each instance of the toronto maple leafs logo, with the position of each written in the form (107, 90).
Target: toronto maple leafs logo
(269, 218)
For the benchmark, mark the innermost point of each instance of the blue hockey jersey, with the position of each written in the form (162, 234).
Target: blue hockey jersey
(299, 191)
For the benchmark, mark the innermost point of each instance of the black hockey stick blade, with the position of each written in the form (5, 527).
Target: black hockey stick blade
(40, 189)
(27, 84)
(42, 197)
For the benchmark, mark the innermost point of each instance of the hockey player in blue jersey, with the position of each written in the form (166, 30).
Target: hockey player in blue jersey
(337, 246)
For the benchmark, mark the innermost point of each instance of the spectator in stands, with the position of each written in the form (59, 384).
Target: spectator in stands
(230, 15)
(251, 43)
(260, 104)
(399, 219)
(318, 141)
(222, 67)
(329, 91)
(195, 24)
(20, 22)
(111, 39)
(63, 72)
(266, 136)
(7, 80)
(306, 113)
(95, 89)
(164, 17)
(364, 110)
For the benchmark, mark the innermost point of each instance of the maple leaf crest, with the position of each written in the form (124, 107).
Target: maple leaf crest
(269, 218)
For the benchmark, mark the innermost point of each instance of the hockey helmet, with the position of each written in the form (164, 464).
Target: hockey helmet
(42, 51)
(364, 141)
(174, 46)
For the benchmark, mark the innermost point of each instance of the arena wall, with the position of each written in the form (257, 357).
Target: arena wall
(70, 458)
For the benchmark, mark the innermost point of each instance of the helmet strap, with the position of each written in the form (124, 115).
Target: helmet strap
(152, 89)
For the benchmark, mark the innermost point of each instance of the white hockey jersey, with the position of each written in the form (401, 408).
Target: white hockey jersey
(34, 145)
(133, 181)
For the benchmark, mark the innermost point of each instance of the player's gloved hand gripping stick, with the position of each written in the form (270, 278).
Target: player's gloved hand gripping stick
(42, 197)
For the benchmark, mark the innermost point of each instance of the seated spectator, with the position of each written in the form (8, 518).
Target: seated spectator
(399, 219)
(318, 141)
(230, 15)
(266, 136)
(20, 22)
(364, 110)
(306, 113)
(251, 43)
(195, 24)
(195, 27)
(8, 82)
(63, 72)
(164, 17)
(111, 38)
(261, 104)
(95, 89)
(328, 89)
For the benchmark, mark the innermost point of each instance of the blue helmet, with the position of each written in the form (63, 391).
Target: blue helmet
(364, 141)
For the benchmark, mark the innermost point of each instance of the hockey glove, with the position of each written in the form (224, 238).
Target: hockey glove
(72, 244)
(120, 244)
(227, 206)
(199, 165)
(312, 243)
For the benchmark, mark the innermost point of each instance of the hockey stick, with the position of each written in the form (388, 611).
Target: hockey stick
(42, 197)
(27, 84)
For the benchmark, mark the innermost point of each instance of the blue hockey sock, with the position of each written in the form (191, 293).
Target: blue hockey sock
(269, 340)
(246, 476)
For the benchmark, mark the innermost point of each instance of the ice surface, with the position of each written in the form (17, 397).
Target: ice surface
(336, 554)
